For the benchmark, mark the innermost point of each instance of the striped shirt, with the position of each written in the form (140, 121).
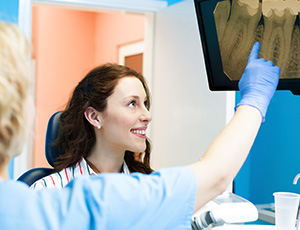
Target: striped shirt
(62, 178)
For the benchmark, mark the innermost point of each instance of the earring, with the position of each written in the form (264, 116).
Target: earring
(99, 126)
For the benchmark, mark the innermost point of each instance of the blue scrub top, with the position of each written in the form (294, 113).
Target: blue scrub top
(162, 200)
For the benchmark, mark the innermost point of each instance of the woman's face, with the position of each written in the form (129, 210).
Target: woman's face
(125, 120)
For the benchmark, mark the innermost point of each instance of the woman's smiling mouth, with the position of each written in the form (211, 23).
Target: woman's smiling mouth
(139, 132)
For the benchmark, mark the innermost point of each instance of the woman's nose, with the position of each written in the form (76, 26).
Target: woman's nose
(146, 115)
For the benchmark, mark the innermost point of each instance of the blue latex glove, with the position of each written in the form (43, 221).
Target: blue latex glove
(259, 82)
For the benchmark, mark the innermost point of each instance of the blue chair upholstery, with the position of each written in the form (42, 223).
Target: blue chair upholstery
(51, 152)
(51, 135)
(35, 174)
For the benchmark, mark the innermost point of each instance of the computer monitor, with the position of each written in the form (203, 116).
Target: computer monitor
(229, 28)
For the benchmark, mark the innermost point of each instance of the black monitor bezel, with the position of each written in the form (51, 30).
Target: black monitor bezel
(217, 79)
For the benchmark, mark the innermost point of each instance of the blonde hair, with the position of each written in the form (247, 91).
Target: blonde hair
(14, 84)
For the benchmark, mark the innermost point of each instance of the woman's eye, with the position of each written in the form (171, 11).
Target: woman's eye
(132, 104)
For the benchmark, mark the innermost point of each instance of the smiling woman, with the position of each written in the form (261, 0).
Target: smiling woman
(103, 127)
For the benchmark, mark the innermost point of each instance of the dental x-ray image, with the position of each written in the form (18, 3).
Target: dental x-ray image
(229, 28)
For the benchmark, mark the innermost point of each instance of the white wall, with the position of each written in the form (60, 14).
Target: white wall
(186, 115)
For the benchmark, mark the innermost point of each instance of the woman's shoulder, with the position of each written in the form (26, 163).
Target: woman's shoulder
(50, 181)
(62, 178)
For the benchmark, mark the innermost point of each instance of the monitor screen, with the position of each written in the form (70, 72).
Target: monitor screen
(229, 28)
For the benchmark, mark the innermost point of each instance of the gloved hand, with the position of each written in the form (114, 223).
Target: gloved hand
(258, 82)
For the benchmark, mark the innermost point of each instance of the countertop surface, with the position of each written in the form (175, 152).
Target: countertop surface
(245, 227)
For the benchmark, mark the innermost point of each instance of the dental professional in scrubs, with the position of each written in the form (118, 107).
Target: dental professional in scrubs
(162, 200)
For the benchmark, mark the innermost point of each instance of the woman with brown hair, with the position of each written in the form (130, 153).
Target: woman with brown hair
(103, 127)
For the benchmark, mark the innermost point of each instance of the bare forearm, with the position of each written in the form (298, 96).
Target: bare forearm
(226, 154)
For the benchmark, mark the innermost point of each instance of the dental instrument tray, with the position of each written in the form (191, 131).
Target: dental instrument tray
(266, 212)
(229, 28)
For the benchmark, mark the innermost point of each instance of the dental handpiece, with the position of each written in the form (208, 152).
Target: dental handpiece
(230, 209)
(203, 221)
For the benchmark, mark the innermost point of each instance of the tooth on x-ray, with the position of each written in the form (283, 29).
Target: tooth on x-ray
(280, 6)
(274, 23)
(238, 36)
(221, 14)
(276, 42)
(292, 69)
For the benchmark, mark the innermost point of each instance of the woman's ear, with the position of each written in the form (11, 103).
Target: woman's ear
(93, 117)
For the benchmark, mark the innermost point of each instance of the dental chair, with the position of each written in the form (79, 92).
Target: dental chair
(51, 152)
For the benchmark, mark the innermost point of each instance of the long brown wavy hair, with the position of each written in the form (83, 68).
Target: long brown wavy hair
(76, 135)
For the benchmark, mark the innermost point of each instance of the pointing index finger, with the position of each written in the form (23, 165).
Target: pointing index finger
(254, 52)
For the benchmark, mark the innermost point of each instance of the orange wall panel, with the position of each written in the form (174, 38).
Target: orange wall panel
(114, 30)
(66, 44)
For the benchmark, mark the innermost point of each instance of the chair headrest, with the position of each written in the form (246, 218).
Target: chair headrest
(51, 135)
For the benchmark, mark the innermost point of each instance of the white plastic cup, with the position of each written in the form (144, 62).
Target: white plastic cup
(286, 209)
